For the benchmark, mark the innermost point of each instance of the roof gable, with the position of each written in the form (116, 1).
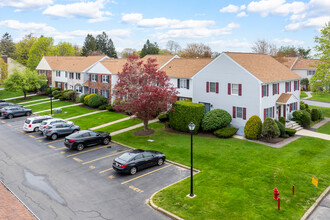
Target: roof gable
(309, 64)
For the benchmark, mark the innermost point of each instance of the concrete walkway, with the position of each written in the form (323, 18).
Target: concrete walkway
(113, 122)
(320, 210)
(321, 123)
(37, 100)
(132, 128)
(309, 133)
(91, 113)
(18, 97)
(66, 106)
(39, 103)
(309, 95)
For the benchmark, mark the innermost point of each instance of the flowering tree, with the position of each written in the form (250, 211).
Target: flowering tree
(143, 90)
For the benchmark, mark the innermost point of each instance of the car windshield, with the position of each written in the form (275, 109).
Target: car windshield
(125, 157)
(44, 123)
(27, 121)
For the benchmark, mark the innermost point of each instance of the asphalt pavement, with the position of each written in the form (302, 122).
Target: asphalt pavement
(57, 183)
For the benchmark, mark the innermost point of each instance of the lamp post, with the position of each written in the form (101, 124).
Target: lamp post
(51, 100)
(191, 128)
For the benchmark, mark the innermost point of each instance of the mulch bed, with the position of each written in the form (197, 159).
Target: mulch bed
(272, 141)
(144, 132)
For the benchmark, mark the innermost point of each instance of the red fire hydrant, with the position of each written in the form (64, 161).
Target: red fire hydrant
(276, 193)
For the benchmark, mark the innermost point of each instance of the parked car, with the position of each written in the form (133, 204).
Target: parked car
(131, 162)
(7, 104)
(45, 123)
(60, 129)
(85, 138)
(32, 124)
(13, 111)
(1, 100)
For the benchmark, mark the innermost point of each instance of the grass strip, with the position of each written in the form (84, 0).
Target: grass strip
(45, 106)
(4, 94)
(303, 95)
(120, 125)
(325, 129)
(70, 112)
(323, 97)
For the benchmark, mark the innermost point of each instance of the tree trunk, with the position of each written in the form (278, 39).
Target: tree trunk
(145, 122)
(24, 94)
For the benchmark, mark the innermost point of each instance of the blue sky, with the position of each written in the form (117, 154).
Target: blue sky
(223, 25)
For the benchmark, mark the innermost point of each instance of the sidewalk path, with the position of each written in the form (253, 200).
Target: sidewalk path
(18, 97)
(131, 128)
(321, 123)
(91, 113)
(39, 103)
(110, 123)
(309, 95)
(320, 210)
(32, 101)
(309, 133)
(66, 106)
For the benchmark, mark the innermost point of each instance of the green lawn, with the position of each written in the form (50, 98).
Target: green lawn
(30, 98)
(324, 128)
(45, 106)
(303, 95)
(320, 97)
(120, 125)
(70, 112)
(6, 94)
(91, 121)
(236, 178)
(325, 111)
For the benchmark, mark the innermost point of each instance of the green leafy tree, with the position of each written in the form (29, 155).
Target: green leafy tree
(7, 46)
(320, 81)
(43, 47)
(64, 49)
(104, 44)
(26, 80)
(21, 53)
(292, 51)
(89, 45)
(3, 70)
(304, 83)
(149, 48)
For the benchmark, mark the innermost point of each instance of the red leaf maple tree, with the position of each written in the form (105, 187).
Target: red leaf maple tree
(143, 90)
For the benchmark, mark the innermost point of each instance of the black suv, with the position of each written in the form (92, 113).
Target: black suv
(13, 111)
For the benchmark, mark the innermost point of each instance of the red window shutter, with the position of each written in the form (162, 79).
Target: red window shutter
(278, 88)
(264, 113)
(290, 107)
(286, 87)
(234, 112)
(267, 90)
(217, 87)
(273, 111)
(273, 89)
(207, 86)
(244, 113)
(229, 88)
(240, 89)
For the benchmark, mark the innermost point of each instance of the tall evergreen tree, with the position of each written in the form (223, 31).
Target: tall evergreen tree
(89, 45)
(112, 49)
(7, 46)
(149, 48)
(105, 44)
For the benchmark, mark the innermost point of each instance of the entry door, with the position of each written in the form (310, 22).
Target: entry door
(207, 106)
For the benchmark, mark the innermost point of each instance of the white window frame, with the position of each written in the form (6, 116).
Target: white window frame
(183, 83)
(269, 112)
(58, 73)
(93, 77)
(93, 90)
(71, 86)
(234, 91)
(215, 87)
(71, 75)
(275, 89)
(105, 93)
(310, 72)
(78, 74)
(104, 79)
(78, 89)
(264, 90)
(59, 85)
(239, 112)
(287, 86)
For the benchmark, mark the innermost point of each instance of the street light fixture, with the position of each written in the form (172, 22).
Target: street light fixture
(51, 100)
(191, 128)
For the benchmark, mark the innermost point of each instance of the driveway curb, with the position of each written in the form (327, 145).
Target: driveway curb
(316, 203)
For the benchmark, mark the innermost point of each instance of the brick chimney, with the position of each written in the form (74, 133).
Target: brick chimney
(5, 58)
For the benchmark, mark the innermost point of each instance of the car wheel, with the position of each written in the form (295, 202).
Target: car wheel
(133, 170)
(80, 147)
(106, 141)
(36, 129)
(28, 113)
(53, 137)
(160, 162)
(10, 116)
(74, 131)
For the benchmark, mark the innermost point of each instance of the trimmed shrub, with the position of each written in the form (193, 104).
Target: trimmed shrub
(285, 136)
(252, 128)
(110, 108)
(282, 120)
(82, 97)
(71, 95)
(290, 131)
(270, 128)
(307, 110)
(302, 117)
(103, 107)
(297, 114)
(185, 112)
(320, 113)
(302, 107)
(315, 114)
(306, 106)
(96, 100)
(163, 117)
(216, 119)
(77, 99)
(226, 132)
(281, 127)
(55, 92)
(86, 98)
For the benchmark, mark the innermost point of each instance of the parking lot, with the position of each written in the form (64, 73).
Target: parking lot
(90, 168)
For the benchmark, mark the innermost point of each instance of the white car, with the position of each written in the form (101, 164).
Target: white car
(33, 123)
(44, 124)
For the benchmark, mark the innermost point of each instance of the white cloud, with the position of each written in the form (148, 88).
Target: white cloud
(113, 34)
(22, 5)
(31, 27)
(230, 9)
(241, 14)
(157, 22)
(243, 7)
(193, 24)
(288, 41)
(317, 23)
(91, 10)
(132, 18)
